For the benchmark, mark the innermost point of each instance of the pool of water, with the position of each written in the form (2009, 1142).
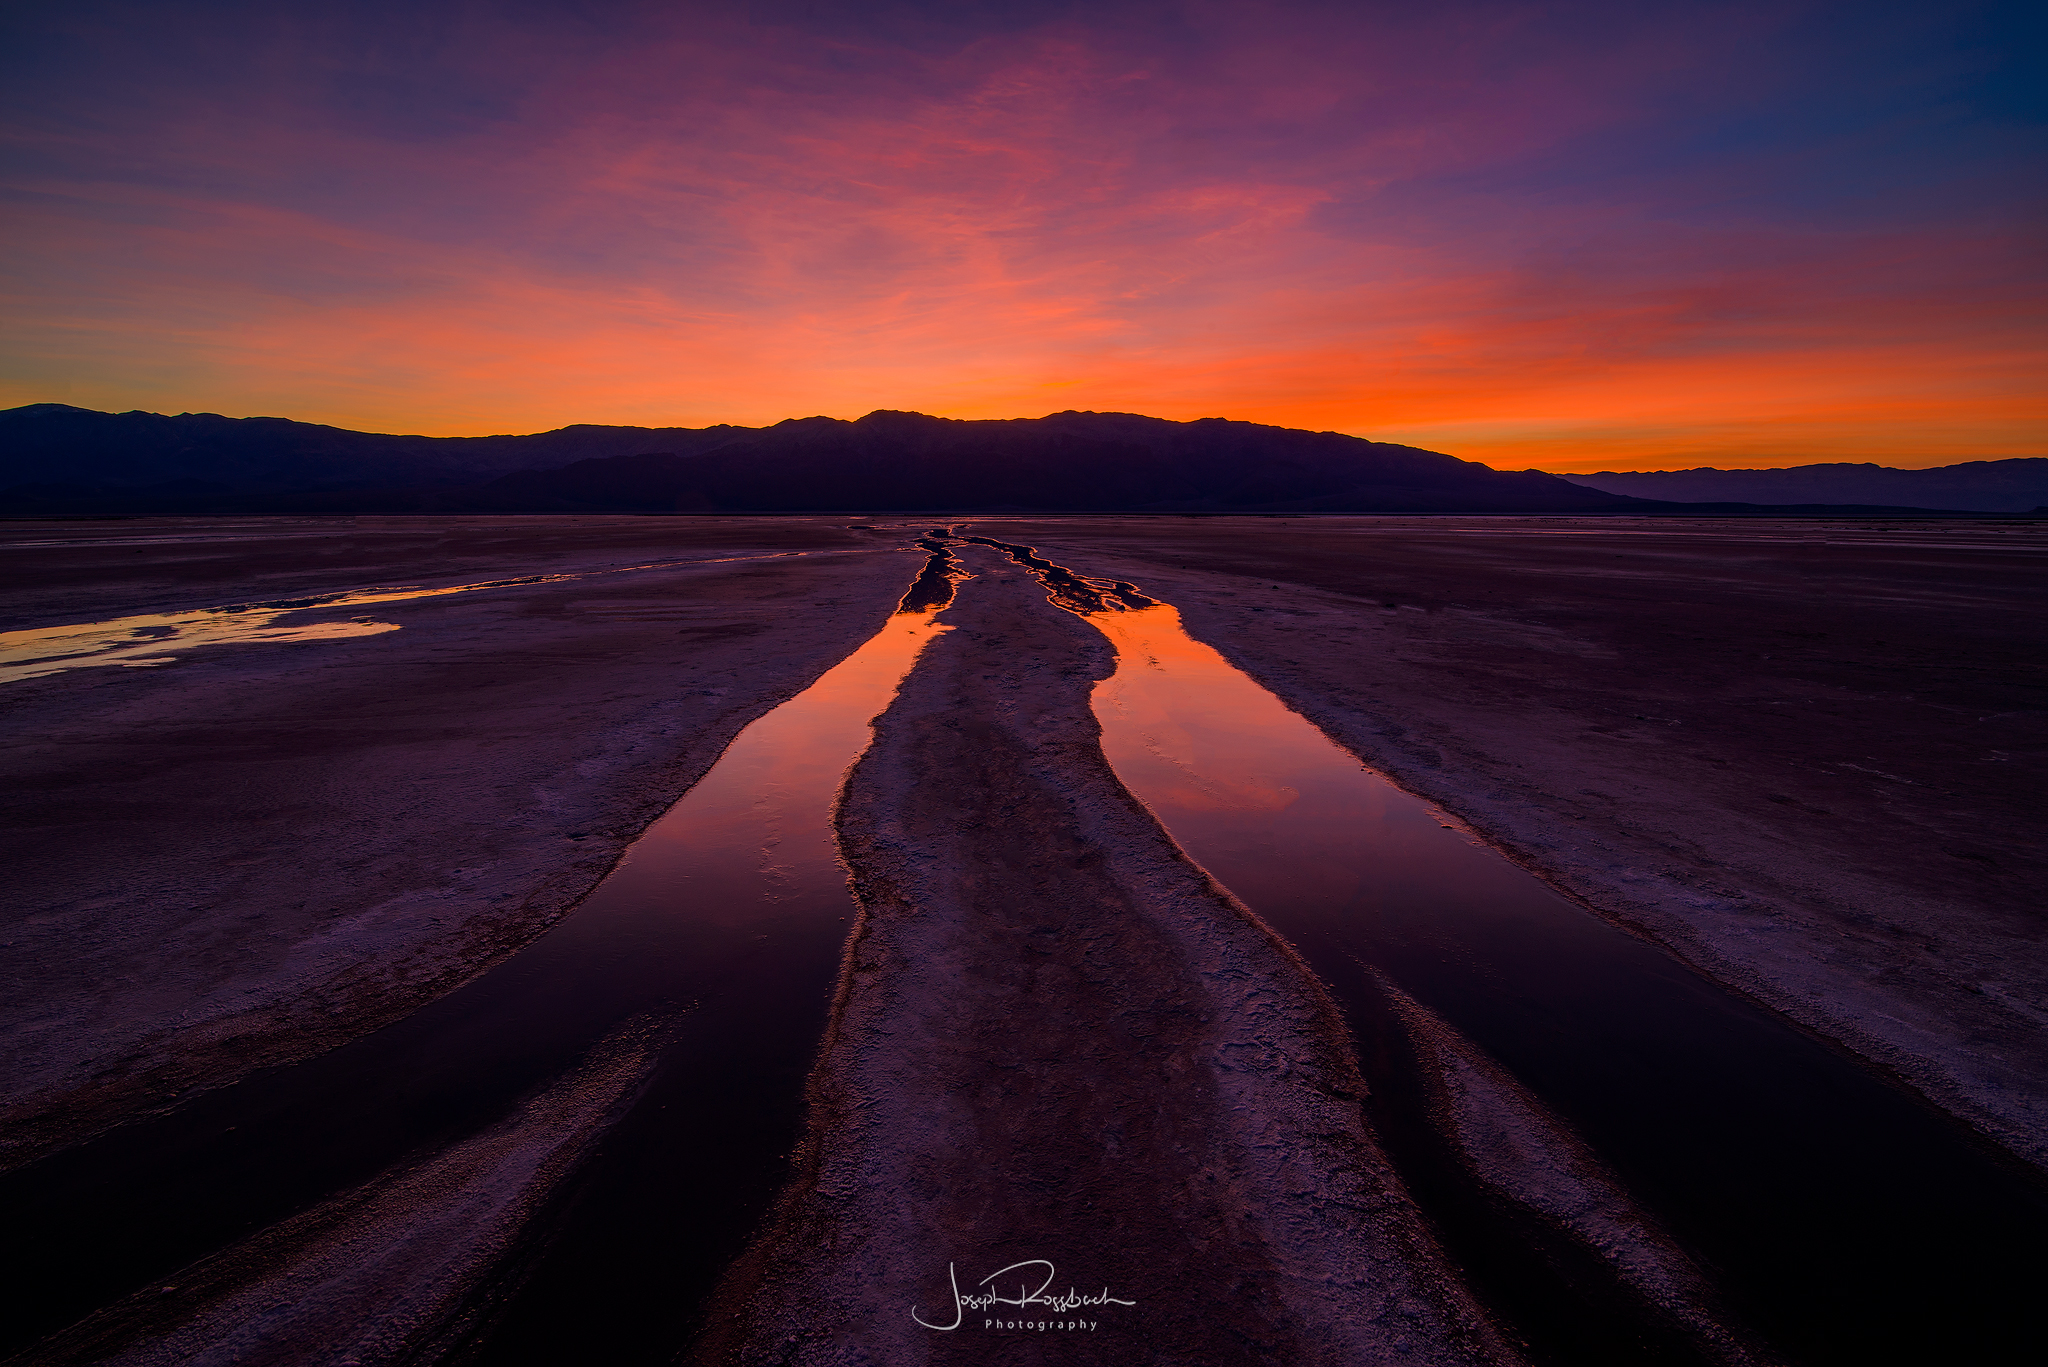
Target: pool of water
(150, 640)
(724, 924)
(1841, 1218)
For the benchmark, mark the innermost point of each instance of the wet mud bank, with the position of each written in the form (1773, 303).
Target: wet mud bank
(258, 851)
(1074, 592)
(934, 585)
(377, 1272)
(1056, 1041)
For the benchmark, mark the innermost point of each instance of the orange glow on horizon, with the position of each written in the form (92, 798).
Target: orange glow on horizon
(1017, 227)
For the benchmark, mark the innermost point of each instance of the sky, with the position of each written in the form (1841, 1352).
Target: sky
(1569, 236)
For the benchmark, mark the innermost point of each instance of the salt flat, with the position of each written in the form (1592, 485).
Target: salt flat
(1801, 756)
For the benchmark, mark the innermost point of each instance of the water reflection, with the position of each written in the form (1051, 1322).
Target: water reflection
(142, 642)
(1251, 788)
(153, 639)
(1845, 1219)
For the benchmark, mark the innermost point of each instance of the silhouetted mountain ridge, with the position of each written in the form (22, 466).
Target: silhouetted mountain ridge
(60, 460)
(56, 444)
(2004, 486)
(55, 458)
(1065, 462)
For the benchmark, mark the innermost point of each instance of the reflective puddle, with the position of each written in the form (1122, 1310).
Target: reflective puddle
(148, 641)
(157, 638)
(1838, 1218)
(153, 639)
(723, 926)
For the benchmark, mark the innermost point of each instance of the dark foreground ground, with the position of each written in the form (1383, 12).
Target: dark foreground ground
(1803, 756)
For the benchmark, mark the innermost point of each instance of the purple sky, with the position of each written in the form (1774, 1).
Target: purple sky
(1572, 236)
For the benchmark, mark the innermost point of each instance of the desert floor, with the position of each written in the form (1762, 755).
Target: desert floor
(1801, 756)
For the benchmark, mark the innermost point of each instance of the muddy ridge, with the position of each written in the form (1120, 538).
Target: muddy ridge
(1056, 1039)
(1074, 592)
(933, 587)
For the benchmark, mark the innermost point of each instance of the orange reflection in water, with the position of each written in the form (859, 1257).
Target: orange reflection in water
(143, 642)
(153, 639)
(1194, 732)
(1259, 796)
(757, 830)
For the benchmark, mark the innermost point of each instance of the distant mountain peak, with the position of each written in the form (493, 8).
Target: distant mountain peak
(2012, 486)
(58, 458)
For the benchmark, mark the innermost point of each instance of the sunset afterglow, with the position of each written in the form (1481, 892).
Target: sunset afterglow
(1574, 237)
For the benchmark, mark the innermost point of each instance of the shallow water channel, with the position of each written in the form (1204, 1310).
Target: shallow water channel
(1839, 1218)
(720, 930)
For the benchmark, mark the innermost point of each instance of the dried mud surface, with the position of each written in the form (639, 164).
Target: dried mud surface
(1512, 1142)
(1058, 1040)
(379, 1273)
(262, 850)
(1806, 757)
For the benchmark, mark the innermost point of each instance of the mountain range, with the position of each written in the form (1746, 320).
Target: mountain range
(57, 460)
(1986, 486)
